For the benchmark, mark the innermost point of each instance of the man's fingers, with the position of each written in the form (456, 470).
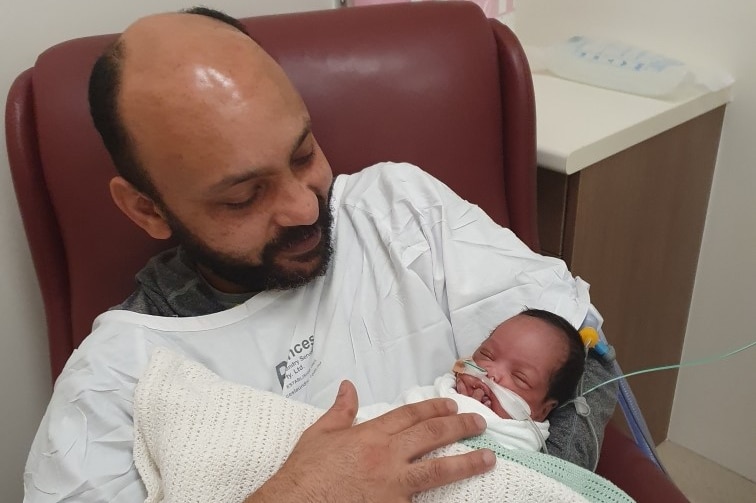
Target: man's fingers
(343, 411)
(381, 457)
(430, 473)
(407, 416)
(433, 433)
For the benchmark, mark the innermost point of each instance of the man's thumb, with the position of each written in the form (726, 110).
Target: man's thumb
(343, 411)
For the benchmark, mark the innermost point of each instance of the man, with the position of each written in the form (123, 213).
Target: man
(286, 280)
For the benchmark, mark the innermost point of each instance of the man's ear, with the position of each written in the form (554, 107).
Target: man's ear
(139, 208)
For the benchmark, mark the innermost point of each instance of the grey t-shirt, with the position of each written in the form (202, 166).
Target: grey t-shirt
(169, 285)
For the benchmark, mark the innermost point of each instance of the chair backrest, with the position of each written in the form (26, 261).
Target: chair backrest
(432, 83)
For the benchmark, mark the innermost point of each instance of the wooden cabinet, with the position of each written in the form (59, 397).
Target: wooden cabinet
(631, 226)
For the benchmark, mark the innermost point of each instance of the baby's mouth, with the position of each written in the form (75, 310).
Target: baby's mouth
(489, 399)
(502, 401)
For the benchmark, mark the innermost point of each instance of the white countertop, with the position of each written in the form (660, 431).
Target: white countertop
(578, 124)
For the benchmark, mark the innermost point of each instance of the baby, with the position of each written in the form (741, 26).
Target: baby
(532, 361)
(527, 366)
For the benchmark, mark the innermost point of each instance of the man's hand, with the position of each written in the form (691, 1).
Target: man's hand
(376, 461)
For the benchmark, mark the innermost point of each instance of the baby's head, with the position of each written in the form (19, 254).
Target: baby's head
(536, 354)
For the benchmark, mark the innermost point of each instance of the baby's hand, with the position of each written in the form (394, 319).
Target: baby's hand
(473, 387)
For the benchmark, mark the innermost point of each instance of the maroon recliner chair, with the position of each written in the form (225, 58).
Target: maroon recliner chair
(435, 83)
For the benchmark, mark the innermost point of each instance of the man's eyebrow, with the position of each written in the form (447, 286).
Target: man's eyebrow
(252, 174)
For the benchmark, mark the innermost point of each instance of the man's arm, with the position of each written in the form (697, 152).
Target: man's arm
(375, 461)
(492, 275)
(482, 273)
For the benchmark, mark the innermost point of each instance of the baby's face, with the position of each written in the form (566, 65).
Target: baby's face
(521, 355)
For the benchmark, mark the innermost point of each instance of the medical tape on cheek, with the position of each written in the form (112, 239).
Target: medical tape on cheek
(511, 402)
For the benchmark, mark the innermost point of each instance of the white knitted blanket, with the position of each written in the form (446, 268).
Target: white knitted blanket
(201, 438)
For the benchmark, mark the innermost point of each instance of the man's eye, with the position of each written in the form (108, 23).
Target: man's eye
(303, 160)
(238, 205)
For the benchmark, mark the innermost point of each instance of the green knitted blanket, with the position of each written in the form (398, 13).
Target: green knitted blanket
(592, 487)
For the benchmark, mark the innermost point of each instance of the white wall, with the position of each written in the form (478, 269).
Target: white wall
(714, 406)
(27, 27)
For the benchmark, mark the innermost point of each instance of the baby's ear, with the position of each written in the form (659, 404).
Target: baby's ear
(551, 404)
(548, 406)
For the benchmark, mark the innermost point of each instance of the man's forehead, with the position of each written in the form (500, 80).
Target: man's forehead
(175, 25)
(183, 63)
(163, 43)
(189, 80)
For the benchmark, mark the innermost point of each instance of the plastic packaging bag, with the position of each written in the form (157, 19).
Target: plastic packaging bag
(615, 65)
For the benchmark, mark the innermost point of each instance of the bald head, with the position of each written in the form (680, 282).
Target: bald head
(156, 47)
(173, 79)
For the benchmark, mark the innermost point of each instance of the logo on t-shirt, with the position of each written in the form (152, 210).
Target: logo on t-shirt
(294, 373)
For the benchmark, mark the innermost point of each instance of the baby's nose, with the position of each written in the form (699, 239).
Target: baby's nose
(500, 378)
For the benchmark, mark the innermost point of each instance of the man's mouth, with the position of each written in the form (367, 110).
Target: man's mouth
(306, 242)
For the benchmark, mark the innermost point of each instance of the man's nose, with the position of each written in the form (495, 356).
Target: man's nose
(297, 205)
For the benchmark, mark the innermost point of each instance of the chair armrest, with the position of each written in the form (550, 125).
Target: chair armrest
(625, 465)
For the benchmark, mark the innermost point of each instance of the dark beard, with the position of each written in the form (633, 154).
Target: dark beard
(267, 275)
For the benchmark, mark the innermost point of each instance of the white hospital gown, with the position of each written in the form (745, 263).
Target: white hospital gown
(419, 277)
